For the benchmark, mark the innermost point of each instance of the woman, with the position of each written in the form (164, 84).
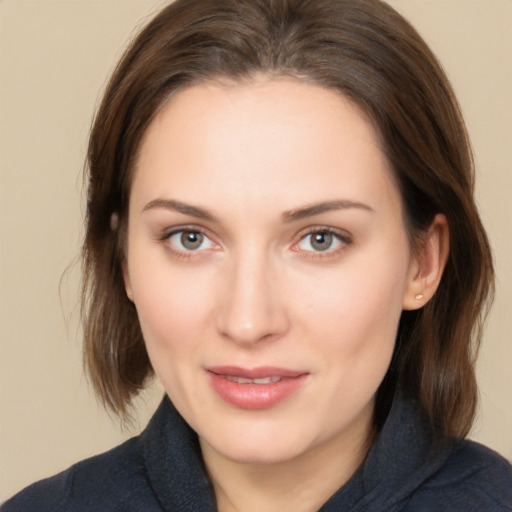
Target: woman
(281, 227)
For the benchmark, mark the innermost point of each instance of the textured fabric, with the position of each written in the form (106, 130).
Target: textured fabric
(162, 470)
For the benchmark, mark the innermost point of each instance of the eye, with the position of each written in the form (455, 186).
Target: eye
(322, 240)
(189, 240)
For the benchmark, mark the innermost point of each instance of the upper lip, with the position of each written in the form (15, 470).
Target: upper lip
(259, 372)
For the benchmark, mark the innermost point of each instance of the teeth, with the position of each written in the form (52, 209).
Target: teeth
(245, 380)
(267, 380)
(238, 380)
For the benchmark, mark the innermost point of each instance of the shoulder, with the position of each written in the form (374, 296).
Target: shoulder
(107, 482)
(473, 478)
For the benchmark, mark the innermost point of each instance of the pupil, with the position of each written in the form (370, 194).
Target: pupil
(191, 240)
(321, 241)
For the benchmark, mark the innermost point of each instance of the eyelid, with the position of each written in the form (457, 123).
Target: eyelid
(343, 236)
(166, 234)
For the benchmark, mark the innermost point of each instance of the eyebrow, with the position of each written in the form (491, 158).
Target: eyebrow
(317, 209)
(178, 206)
(289, 216)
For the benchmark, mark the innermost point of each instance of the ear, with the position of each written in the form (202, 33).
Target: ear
(427, 265)
(126, 278)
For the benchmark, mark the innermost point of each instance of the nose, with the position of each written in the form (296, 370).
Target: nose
(252, 308)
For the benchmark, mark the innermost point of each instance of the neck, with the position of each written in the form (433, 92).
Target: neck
(302, 484)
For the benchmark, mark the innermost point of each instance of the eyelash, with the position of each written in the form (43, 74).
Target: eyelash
(341, 237)
(165, 239)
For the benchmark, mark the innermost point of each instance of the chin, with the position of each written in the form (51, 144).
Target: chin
(268, 444)
(260, 455)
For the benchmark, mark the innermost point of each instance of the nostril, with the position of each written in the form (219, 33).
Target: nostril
(248, 326)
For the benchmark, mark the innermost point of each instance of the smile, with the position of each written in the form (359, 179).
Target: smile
(259, 388)
(245, 380)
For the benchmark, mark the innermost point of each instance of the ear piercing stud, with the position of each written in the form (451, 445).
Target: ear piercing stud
(419, 296)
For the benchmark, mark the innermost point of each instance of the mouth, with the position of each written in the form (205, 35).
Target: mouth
(245, 380)
(255, 388)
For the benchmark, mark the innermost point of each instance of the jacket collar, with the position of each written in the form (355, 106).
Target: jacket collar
(174, 464)
(402, 457)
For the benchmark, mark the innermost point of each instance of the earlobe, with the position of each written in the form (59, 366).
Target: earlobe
(126, 278)
(428, 265)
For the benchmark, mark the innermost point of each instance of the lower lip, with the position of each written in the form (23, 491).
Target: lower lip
(255, 396)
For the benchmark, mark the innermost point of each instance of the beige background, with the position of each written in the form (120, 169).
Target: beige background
(54, 59)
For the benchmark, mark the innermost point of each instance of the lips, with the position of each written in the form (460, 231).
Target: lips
(256, 388)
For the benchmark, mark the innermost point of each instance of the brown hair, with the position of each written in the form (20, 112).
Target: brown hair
(370, 54)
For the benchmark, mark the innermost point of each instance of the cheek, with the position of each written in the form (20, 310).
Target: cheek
(173, 312)
(173, 304)
(355, 309)
(353, 298)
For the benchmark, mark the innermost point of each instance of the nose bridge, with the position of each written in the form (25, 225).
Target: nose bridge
(251, 309)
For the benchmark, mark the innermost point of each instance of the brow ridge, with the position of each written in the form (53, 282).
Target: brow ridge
(327, 206)
(289, 216)
(180, 207)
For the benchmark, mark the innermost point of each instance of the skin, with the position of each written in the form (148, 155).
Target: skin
(258, 291)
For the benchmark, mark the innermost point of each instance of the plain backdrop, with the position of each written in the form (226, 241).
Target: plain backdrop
(55, 57)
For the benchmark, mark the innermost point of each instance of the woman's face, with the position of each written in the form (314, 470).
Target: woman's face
(269, 263)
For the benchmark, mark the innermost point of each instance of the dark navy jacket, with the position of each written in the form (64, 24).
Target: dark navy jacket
(162, 470)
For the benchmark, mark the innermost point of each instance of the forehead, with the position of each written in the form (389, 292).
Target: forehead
(263, 137)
